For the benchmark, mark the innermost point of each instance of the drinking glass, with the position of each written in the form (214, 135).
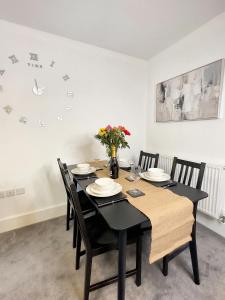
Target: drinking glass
(135, 171)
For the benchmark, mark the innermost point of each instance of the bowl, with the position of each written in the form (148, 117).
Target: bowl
(83, 167)
(155, 172)
(104, 184)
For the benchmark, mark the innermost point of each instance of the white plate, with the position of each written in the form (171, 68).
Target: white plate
(94, 188)
(123, 164)
(117, 189)
(77, 171)
(164, 177)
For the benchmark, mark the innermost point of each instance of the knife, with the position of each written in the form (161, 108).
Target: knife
(87, 177)
(169, 185)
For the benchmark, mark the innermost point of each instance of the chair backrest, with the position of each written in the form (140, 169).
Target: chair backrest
(186, 171)
(63, 171)
(148, 160)
(76, 203)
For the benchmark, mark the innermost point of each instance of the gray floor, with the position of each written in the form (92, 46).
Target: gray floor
(37, 262)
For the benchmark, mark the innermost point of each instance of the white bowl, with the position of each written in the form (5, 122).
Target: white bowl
(83, 167)
(104, 184)
(155, 171)
(123, 163)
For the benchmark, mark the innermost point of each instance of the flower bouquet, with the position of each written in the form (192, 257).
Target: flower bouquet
(113, 137)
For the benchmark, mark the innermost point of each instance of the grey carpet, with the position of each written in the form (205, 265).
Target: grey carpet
(37, 262)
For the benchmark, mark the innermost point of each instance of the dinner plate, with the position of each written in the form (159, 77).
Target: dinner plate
(123, 164)
(77, 171)
(163, 177)
(116, 190)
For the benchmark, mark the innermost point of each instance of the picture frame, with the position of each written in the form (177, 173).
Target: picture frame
(194, 95)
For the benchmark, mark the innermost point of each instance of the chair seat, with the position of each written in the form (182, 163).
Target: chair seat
(101, 236)
(146, 226)
(86, 205)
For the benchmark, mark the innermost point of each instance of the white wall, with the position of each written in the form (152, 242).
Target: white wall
(196, 140)
(108, 88)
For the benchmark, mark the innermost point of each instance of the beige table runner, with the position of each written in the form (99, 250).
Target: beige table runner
(171, 215)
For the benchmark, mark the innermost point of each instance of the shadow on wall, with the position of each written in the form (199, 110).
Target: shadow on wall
(48, 186)
(84, 149)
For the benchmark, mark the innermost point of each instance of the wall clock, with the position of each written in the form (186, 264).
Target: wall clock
(35, 90)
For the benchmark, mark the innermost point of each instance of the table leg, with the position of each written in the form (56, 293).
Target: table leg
(122, 264)
(193, 249)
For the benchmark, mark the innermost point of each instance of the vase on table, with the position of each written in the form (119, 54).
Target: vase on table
(113, 164)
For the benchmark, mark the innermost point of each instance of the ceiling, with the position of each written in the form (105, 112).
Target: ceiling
(139, 28)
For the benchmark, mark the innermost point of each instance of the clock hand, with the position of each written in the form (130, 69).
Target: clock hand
(36, 84)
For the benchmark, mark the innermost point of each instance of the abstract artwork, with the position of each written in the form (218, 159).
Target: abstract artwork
(194, 95)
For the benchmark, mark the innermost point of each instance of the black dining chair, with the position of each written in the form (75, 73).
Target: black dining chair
(86, 206)
(98, 238)
(182, 171)
(148, 160)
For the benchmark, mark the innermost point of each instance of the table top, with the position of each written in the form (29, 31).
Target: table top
(122, 215)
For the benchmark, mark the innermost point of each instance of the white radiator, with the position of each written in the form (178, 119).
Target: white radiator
(213, 184)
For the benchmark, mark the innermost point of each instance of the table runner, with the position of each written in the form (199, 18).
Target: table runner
(171, 215)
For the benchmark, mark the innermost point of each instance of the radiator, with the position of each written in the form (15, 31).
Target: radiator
(213, 184)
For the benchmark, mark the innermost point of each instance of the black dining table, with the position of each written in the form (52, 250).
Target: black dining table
(121, 216)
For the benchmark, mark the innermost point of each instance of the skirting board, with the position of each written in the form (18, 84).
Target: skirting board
(32, 217)
(54, 211)
(211, 223)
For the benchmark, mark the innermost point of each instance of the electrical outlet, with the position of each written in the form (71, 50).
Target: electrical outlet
(20, 191)
(10, 193)
(2, 194)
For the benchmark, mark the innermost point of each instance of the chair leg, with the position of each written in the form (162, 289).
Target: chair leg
(74, 231)
(68, 215)
(72, 213)
(138, 260)
(194, 260)
(87, 280)
(78, 249)
(165, 266)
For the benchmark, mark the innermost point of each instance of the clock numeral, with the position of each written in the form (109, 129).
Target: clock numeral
(34, 65)
(42, 123)
(52, 63)
(70, 94)
(66, 77)
(23, 120)
(13, 59)
(8, 109)
(33, 56)
(2, 72)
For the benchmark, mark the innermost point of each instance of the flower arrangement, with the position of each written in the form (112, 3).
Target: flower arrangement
(113, 136)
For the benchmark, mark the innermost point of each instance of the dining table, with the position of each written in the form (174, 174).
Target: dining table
(121, 216)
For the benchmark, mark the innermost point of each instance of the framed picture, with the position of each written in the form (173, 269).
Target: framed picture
(194, 95)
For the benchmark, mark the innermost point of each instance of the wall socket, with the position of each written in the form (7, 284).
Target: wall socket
(12, 193)
(9, 193)
(20, 191)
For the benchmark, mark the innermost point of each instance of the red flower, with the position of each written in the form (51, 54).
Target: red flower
(126, 132)
(109, 127)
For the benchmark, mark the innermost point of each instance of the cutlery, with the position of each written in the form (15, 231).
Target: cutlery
(99, 168)
(169, 185)
(112, 201)
(87, 177)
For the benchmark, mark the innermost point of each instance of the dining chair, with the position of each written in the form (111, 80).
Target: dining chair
(148, 160)
(69, 209)
(98, 238)
(182, 171)
(86, 206)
